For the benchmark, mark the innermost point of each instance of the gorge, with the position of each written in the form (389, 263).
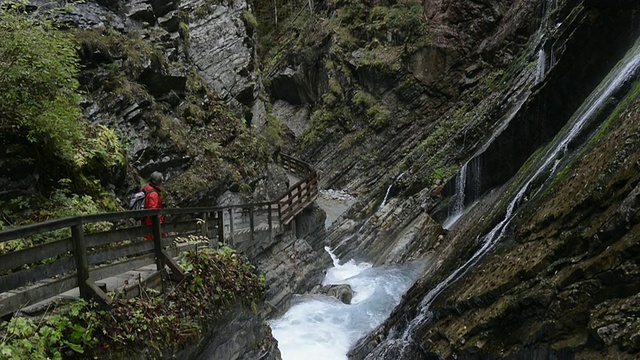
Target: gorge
(488, 148)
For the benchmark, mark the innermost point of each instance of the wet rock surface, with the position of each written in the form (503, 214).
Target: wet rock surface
(554, 285)
(342, 292)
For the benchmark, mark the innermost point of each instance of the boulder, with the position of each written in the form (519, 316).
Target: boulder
(141, 11)
(342, 292)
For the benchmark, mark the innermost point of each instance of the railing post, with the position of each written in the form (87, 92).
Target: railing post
(270, 223)
(80, 254)
(204, 229)
(231, 230)
(157, 241)
(251, 221)
(221, 226)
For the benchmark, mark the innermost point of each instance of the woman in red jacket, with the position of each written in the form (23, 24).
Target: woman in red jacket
(153, 198)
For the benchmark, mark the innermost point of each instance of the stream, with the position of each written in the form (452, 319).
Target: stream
(322, 327)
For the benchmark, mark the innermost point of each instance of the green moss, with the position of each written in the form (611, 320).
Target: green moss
(321, 120)
(329, 99)
(383, 58)
(442, 172)
(350, 140)
(184, 31)
(381, 118)
(329, 65)
(334, 87)
(131, 48)
(363, 99)
(273, 131)
(206, 7)
(250, 19)
(169, 129)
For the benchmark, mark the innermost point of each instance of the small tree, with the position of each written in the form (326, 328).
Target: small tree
(39, 99)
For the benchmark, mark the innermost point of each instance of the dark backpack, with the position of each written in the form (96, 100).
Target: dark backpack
(138, 200)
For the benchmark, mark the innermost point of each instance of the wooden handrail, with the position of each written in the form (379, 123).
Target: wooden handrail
(94, 254)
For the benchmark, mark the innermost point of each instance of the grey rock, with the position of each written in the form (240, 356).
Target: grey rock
(170, 21)
(342, 292)
(141, 11)
(225, 53)
(162, 7)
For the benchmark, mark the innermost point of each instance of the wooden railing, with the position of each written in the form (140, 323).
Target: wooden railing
(90, 248)
(301, 194)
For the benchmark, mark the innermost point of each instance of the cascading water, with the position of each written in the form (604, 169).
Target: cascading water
(464, 195)
(467, 190)
(380, 207)
(624, 70)
(544, 60)
(386, 196)
(321, 327)
(541, 68)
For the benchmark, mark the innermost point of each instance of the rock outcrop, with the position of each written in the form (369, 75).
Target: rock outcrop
(494, 82)
(222, 46)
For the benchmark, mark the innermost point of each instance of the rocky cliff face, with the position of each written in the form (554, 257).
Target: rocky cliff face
(493, 82)
(176, 81)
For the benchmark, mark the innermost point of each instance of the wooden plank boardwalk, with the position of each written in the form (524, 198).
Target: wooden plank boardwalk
(86, 256)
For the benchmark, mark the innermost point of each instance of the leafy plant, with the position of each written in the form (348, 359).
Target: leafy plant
(250, 19)
(38, 87)
(67, 330)
(219, 280)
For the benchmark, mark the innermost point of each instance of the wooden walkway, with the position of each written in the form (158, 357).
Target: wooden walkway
(86, 255)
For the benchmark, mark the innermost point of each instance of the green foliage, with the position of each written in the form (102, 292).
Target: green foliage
(406, 19)
(250, 19)
(70, 329)
(273, 131)
(213, 148)
(62, 203)
(363, 99)
(38, 86)
(352, 139)
(131, 48)
(103, 150)
(381, 117)
(41, 118)
(334, 86)
(320, 121)
(219, 280)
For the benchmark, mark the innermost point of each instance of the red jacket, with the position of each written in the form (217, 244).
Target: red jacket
(153, 200)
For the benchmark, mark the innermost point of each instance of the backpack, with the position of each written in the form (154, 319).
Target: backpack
(138, 200)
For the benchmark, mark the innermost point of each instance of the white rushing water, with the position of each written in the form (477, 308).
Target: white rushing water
(321, 327)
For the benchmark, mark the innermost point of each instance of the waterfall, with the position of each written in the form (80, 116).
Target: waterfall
(461, 184)
(366, 222)
(467, 190)
(545, 54)
(541, 68)
(386, 196)
(625, 69)
(546, 58)
(384, 201)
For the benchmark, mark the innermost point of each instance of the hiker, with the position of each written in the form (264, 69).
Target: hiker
(153, 199)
